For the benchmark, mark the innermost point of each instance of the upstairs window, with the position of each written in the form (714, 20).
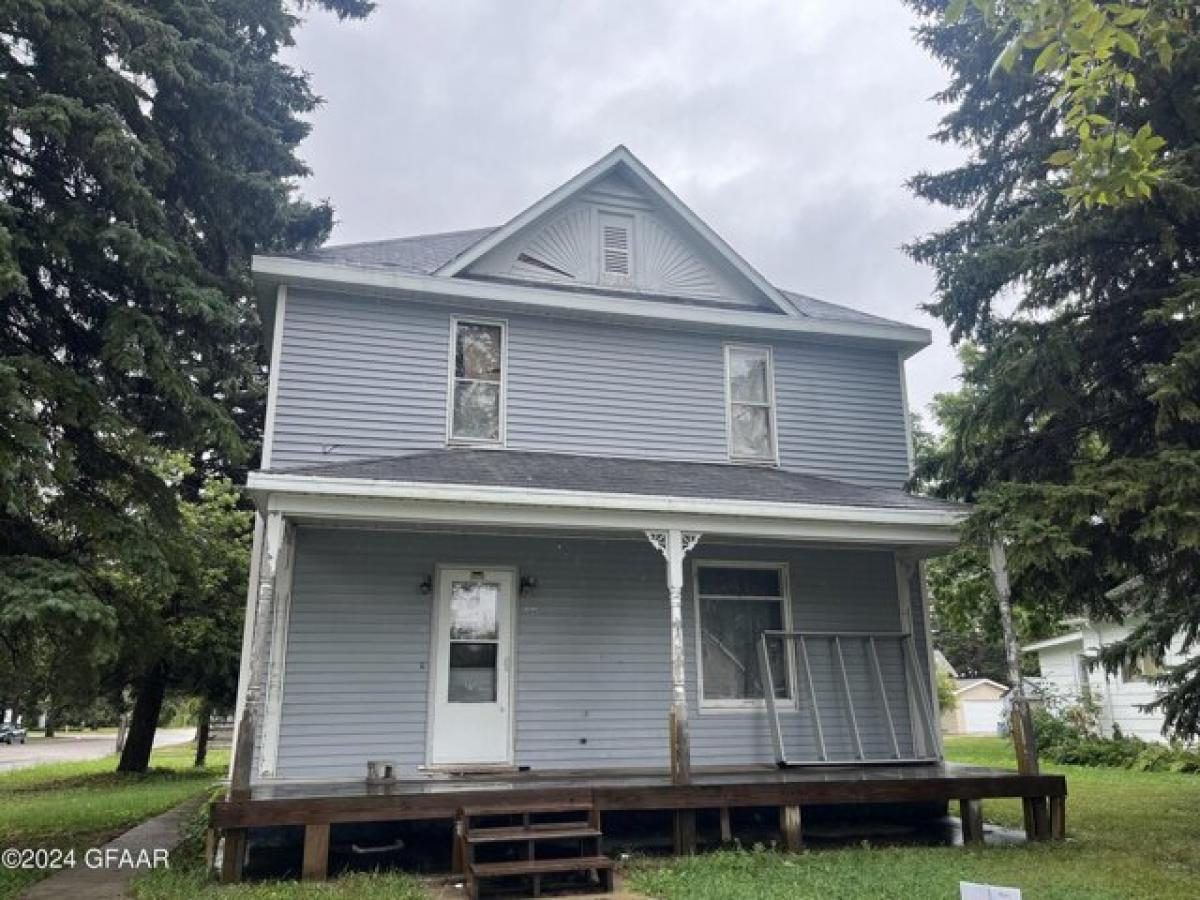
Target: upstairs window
(750, 390)
(477, 382)
(616, 246)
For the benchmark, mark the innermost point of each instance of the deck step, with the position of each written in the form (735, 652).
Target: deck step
(534, 809)
(546, 831)
(540, 866)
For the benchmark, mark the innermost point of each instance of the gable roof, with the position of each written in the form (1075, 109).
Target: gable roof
(424, 254)
(426, 266)
(966, 684)
(618, 159)
(612, 475)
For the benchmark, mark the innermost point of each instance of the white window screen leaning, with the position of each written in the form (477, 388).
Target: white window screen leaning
(735, 605)
(478, 388)
(751, 394)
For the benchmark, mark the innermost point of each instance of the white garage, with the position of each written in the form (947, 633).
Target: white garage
(980, 707)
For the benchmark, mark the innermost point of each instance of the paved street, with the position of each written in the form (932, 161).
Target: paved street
(76, 747)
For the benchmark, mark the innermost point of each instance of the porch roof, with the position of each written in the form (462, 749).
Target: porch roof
(609, 475)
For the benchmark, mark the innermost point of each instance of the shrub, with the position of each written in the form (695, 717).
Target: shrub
(1063, 736)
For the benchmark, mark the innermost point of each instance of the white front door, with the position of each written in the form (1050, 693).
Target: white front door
(471, 714)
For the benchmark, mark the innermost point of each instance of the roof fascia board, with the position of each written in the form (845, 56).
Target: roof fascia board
(352, 279)
(1075, 637)
(980, 681)
(620, 155)
(923, 541)
(944, 522)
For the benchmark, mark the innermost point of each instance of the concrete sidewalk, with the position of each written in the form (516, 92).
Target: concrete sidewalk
(118, 861)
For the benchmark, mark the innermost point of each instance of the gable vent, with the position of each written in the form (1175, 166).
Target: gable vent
(615, 237)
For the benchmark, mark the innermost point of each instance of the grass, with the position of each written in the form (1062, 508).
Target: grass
(1132, 835)
(85, 804)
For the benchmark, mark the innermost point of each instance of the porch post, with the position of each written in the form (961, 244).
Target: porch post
(274, 538)
(674, 546)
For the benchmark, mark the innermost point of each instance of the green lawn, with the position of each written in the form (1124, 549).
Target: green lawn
(84, 804)
(1131, 834)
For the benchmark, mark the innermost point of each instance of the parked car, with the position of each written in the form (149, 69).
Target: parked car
(12, 733)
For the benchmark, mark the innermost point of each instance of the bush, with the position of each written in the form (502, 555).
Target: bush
(1064, 737)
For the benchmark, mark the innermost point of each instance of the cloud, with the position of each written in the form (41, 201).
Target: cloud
(788, 127)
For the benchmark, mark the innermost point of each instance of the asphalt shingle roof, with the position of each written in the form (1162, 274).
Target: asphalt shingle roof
(560, 471)
(425, 254)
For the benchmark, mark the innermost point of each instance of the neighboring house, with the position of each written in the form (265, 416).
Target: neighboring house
(1066, 676)
(980, 705)
(531, 496)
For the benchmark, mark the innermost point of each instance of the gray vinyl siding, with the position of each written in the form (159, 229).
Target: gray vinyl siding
(362, 377)
(591, 658)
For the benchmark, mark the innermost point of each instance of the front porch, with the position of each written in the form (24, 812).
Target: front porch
(319, 806)
(594, 649)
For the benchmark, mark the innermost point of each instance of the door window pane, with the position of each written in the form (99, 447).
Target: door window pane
(478, 389)
(473, 606)
(472, 677)
(735, 607)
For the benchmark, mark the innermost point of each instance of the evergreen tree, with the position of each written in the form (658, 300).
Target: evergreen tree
(149, 149)
(1079, 436)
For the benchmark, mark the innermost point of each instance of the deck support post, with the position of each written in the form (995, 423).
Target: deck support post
(1058, 818)
(674, 545)
(1037, 818)
(316, 851)
(971, 813)
(726, 826)
(233, 856)
(789, 824)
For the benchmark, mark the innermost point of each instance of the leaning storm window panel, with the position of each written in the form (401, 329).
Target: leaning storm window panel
(478, 382)
(751, 412)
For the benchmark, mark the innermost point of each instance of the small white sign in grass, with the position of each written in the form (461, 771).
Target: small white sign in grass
(969, 890)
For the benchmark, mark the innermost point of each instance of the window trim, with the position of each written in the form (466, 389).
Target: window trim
(451, 380)
(747, 704)
(772, 407)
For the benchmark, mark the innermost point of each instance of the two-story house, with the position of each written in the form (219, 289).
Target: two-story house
(585, 497)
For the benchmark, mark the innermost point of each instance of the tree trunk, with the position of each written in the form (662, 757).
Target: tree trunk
(202, 734)
(143, 722)
(48, 728)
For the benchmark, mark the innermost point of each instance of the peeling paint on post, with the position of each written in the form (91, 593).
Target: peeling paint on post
(674, 546)
(273, 544)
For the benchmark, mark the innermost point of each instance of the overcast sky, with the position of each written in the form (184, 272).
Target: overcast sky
(789, 126)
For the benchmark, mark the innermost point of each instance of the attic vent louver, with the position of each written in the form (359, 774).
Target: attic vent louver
(616, 245)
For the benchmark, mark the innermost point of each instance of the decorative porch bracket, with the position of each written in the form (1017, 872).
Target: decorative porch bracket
(674, 545)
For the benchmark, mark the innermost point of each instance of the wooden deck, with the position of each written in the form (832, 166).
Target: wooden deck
(316, 806)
